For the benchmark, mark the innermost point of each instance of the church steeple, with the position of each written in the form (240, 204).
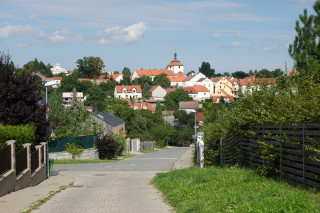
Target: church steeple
(175, 54)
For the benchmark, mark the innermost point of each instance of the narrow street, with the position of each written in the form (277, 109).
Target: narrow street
(122, 186)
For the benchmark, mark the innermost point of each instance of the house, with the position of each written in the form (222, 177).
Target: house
(193, 79)
(110, 123)
(254, 83)
(175, 65)
(94, 81)
(128, 91)
(143, 105)
(68, 98)
(39, 74)
(57, 69)
(56, 80)
(226, 88)
(152, 73)
(198, 92)
(177, 81)
(157, 92)
(189, 106)
(207, 83)
(114, 77)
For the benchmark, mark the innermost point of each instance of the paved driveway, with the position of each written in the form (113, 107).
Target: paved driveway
(122, 186)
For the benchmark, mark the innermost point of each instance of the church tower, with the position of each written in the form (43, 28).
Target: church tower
(175, 65)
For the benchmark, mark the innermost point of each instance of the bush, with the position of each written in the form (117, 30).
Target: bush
(107, 147)
(22, 134)
(74, 148)
(120, 139)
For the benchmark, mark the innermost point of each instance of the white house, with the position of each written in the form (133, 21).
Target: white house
(57, 69)
(157, 92)
(206, 82)
(198, 92)
(152, 73)
(128, 91)
(68, 97)
(55, 80)
(175, 65)
(177, 81)
(193, 79)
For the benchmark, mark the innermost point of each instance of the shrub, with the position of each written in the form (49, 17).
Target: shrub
(120, 139)
(22, 134)
(107, 147)
(74, 148)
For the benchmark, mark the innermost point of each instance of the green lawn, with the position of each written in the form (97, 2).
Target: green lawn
(233, 190)
(73, 161)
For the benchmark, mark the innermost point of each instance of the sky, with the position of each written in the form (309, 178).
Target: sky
(232, 35)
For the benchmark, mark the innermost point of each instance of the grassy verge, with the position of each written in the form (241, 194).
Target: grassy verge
(233, 190)
(38, 203)
(75, 161)
(149, 151)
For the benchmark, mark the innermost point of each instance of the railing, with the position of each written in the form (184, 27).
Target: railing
(34, 160)
(21, 161)
(5, 159)
(292, 150)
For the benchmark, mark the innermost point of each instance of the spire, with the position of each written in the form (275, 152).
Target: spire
(175, 54)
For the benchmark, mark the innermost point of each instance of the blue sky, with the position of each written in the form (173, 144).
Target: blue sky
(231, 35)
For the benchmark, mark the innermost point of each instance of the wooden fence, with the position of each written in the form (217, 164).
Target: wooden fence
(291, 150)
(34, 160)
(21, 161)
(5, 159)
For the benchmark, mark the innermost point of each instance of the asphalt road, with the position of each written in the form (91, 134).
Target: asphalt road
(156, 161)
(116, 187)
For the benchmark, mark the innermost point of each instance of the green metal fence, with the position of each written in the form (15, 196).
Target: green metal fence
(58, 145)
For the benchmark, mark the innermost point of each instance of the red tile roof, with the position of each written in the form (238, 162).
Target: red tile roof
(175, 62)
(189, 105)
(53, 78)
(128, 88)
(170, 90)
(153, 88)
(128, 101)
(200, 88)
(84, 79)
(39, 74)
(293, 72)
(155, 72)
(200, 116)
(143, 105)
(178, 78)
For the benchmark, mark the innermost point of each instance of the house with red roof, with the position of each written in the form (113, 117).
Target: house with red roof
(38, 74)
(113, 77)
(175, 65)
(255, 83)
(56, 80)
(152, 73)
(143, 105)
(128, 91)
(177, 81)
(226, 88)
(198, 92)
(157, 92)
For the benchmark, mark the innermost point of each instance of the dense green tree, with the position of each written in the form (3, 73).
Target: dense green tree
(70, 82)
(171, 100)
(206, 70)
(84, 86)
(96, 97)
(146, 86)
(240, 74)
(20, 97)
(142, 80)
(108, 87)
(36, 66)
(226, 74)
(90, 67)
(126, 76)
(305, 49)
(191, 73)
(161, 80)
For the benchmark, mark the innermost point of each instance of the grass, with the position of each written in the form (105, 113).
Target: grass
(38, 203)
(233, 190)
(77, 161)
(149, 151)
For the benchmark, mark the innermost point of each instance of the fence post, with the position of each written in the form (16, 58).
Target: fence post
(221, 152)
(263, 139)
(28, 145)
(13, 154)
(280, 151)
(38, 147)
(44, 145)
(303, 155)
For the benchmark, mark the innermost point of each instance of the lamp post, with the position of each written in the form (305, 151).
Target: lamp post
(48, 84)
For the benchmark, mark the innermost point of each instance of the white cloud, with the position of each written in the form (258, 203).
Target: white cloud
(216, 35)
(270, 47)
(22, 30)
(128, 34)
(236, 44)
(63, 36)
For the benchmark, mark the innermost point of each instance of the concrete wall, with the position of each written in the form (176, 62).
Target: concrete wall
(38, 176)
(88, 154)
(23, 180)
(7, 182)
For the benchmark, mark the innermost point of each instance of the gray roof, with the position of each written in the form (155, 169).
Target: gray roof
(189, 105)
(110, 119)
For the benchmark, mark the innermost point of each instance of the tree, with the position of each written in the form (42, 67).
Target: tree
(240, 74)
(206, 70)
(126, 76)
(90, 67)
(36, 66)
(96, 97)
(108, 87)
(191, 73)
(305, 50)
(264, 73)
(20, 99)
(142, 80)
(226, 74)
(171, 100)
(84, 86)
(161, 80)
(146, 86)
(69, 82)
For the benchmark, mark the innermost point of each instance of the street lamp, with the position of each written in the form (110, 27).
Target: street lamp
(48, 84)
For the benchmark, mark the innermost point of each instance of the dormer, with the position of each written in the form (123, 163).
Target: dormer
(134, 90)
(124, 90)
